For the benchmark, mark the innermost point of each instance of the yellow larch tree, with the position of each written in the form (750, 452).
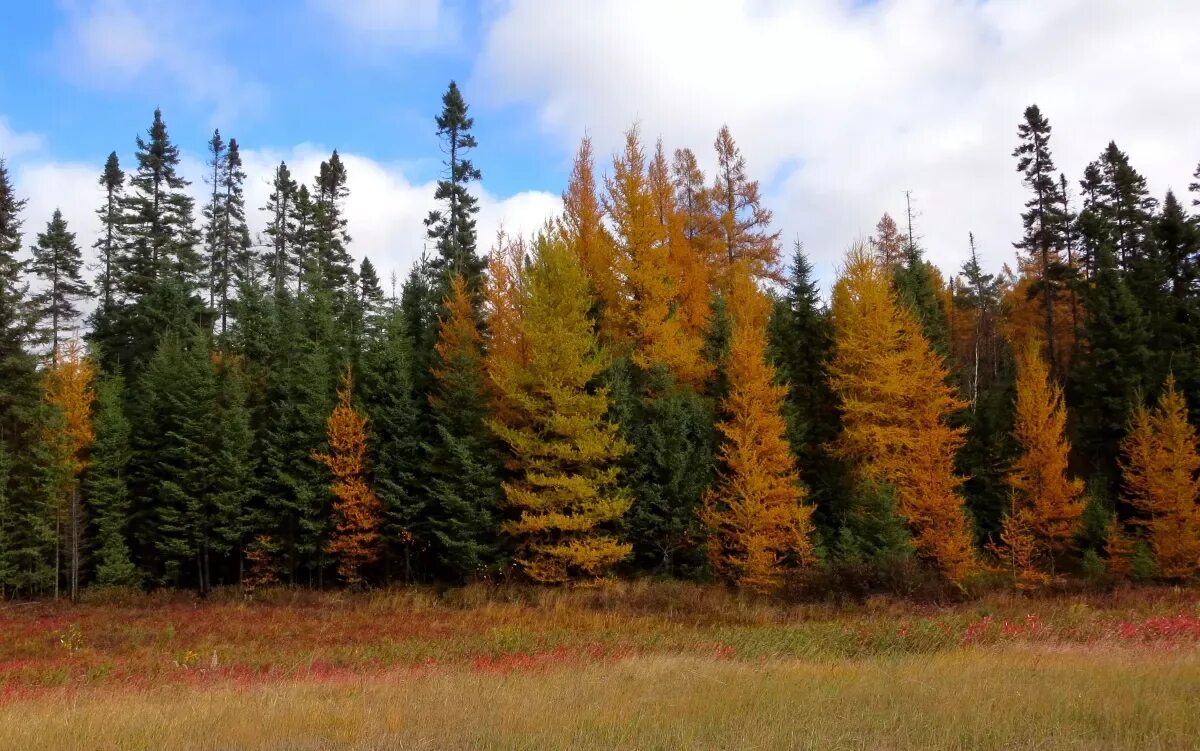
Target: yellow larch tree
(895, 403)
(743, 222)
(582, 224)
(1026, 314)
(357, 512)
(1047, 500)
(563, 453)
(1161, 466)
(506, 345)
(69, 387)
(755, 513)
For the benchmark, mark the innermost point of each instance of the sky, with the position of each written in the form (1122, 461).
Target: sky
(839, 106)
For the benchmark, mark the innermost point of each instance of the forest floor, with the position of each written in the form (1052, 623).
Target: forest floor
(636, 665)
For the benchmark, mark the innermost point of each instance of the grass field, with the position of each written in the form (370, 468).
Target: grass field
(632, 666)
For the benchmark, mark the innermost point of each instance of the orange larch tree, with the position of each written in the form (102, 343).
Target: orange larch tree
(755, 514)
(1161, 464)
(896, 403)
(355, 538)
(69, 387)
(888, 243)
(743, 223)
(583, 226)
(1047, 500)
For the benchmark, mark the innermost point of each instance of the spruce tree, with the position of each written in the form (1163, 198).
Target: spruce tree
(57, 263)
(452, 228)
(1176, 332)
(110, 243)
(301, 236)
(330, 266)
(1126, 206)
(214, 215)
(106, 486)
(1043, 220)
(281, 228)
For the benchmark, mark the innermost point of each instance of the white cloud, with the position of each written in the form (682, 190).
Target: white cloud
(13, 143)
(841, 106)
(385, 211)
(124, 43)
(412, 24)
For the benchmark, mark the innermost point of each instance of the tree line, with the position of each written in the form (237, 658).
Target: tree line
(643, 387)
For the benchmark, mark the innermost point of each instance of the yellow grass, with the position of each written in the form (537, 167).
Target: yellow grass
(1009, 697)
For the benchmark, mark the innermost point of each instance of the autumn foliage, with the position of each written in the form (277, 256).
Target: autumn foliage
(895, 403)
(562, 451)
(1162, 482)
(1046, 498)
(755, 515)
(69, 386)
(355, 538)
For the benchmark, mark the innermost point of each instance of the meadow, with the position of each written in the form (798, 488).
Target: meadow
(633, 665)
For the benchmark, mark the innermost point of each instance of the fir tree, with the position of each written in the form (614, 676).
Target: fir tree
(453, 227)
(106, 486)
(57, 263)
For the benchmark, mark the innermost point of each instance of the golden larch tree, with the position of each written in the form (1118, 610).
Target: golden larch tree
(562, 451)
(503, 295)
(69, 387)
(1046, 498)
(755, 513)
(1162, 482)
(583, 226)
(1026, 314)
(743, 222)
(895, 404)
(888, 243)
(355, 538)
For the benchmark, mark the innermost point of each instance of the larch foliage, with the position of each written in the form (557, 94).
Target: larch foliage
(895, 404)
(69, 386)
(583, 226)
(504, 297)
(1046, 498)
(755, 515)
(562, 452)
(743, 222)
(355, 537)
(888, 243)
(1161, 463)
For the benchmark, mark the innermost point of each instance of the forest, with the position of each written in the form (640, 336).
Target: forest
(652, 385)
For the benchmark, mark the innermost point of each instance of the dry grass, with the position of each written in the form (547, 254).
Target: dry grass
(979, 699)
(638, 665)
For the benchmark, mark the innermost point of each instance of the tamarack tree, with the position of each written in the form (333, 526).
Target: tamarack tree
(755, 515)
(355, 537)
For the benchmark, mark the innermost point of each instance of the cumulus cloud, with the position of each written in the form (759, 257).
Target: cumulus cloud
(385, 210)
(842, 106)
(122, 43)
(14, 143)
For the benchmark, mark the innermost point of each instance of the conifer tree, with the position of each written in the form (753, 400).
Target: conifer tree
(887, 242)
(895, 403)
(583, 226)
(57, 263)
(68, 386)
(1125, 206)
(330, 266)
(111, 241)
(563, 453)
(232, 264)
(452, 228)
(355, 537)
(920, 288)
(301, 237)
(1176, 332)
(106, 488)
(755, 514)
(742, 220)
(1045, 498)
(1161, 463)
(282, 228)
(214, 214)
(1042, 220)
(464, 487)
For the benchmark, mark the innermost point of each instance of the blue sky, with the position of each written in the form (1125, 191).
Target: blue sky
(838, 105)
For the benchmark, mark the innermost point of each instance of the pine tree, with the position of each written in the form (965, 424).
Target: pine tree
(57, 263)
(563, 453)
(282, 228)
(1161, 462)
(755, 514)
(111, 241)
(355, 537)
(1042, 220)
(1045, 498)
(464, 487)
(453, 228)
(106, 488)
(743, 222)
(895, 406)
